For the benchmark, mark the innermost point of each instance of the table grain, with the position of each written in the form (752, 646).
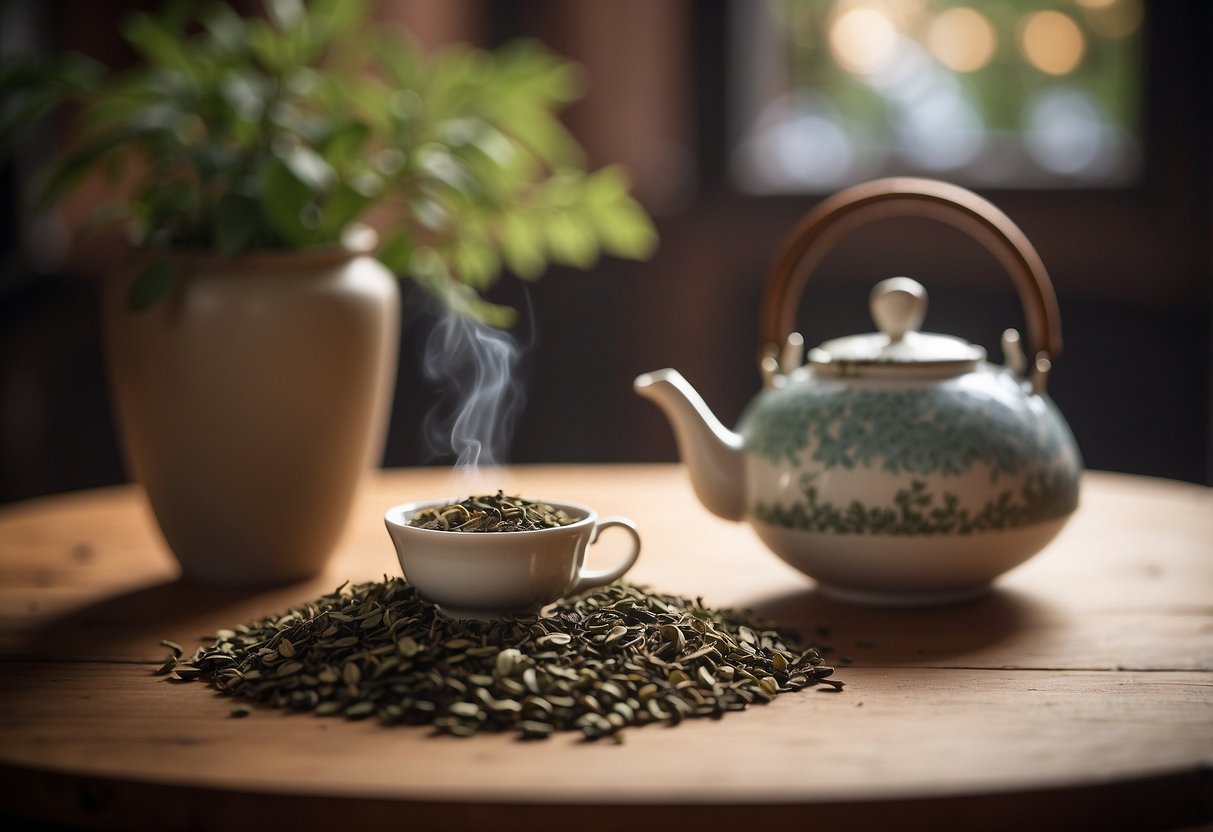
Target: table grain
(1077, 694)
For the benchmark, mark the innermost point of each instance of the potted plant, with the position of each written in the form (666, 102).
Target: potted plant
(252, 341)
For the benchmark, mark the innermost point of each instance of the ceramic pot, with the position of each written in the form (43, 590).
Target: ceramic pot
(250, 402)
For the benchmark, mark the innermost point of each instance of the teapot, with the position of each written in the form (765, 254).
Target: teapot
(897, 467)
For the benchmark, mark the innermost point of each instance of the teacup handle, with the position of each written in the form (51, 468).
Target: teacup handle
(590, 578)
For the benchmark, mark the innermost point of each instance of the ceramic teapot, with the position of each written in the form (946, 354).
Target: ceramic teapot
(897, 467)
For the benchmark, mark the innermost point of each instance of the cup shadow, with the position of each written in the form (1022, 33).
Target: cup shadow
(968, 634)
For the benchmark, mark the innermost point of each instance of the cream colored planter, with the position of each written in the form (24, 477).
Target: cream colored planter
(250, 402)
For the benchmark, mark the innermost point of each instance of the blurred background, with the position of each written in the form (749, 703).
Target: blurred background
(1087, 121)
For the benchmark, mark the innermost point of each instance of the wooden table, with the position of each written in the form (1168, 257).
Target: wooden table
(1079, 694)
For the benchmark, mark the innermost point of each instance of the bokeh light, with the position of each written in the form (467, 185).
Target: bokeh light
(803, 145)
(1067, 131)
(1052, 42)
(962, 39)
(1032, 93)
(863, 40)
(942, 131)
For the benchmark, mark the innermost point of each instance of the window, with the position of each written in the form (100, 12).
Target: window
(1016, 92)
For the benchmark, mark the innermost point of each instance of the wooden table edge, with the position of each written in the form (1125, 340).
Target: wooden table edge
(1167, 800)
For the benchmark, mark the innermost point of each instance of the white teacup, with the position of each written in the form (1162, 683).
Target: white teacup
(490, 574)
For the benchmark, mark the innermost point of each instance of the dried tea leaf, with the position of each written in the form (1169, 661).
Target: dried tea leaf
(496, 513)
(597, 663)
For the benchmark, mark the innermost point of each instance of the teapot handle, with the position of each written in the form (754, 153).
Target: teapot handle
(953, 205)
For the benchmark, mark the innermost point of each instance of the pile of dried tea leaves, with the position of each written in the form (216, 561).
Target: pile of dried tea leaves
(497, 513)
(598, 662)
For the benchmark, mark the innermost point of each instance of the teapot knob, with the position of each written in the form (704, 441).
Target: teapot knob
(898, 306)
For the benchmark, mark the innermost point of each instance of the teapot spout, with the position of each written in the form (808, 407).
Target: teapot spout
(711, 451)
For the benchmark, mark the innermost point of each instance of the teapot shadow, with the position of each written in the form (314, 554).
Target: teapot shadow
(962, 634)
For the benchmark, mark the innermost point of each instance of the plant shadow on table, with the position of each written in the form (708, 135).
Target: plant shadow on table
(130, 625)
(972, 633)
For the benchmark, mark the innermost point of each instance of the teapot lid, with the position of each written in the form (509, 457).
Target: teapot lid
(898, 307)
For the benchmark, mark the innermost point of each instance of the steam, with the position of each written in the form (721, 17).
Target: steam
(474, 367)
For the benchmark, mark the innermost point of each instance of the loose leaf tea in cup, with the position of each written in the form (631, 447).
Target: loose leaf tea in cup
(453, 556)
(497, 513)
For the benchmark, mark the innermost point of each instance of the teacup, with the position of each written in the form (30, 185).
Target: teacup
(492, 574)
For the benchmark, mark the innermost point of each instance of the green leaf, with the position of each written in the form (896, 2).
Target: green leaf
(284, 198)
(337, 18)
(463, 301)
(400, 54)
(150, 285)
(571, 240)
(157, 44)
(307, 128)
(341, 207)
(371, 99)
(226, 28)
(168, 209)
(429, 212)
(305, 42)
(286, 14)
(237, 221)
(497, 162)
(625, 229)
(606, 186)
(213, 160)
(451, 77)
(429, 270)
(346, 144)
(119, 109)
(284, 128)
(437, 163)
(541, 132)
(396, 252)
(474, 306)
(522, 244)
(527, 67)
(175, 15)
(309, 167)
(245, 93)
(476, 264)
(266, 45)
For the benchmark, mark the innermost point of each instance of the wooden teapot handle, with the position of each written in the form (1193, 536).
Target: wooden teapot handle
(910, 197)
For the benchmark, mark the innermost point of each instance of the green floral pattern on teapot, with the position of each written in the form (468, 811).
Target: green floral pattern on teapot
(931, 442)
(933, 429)
(918, 510)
